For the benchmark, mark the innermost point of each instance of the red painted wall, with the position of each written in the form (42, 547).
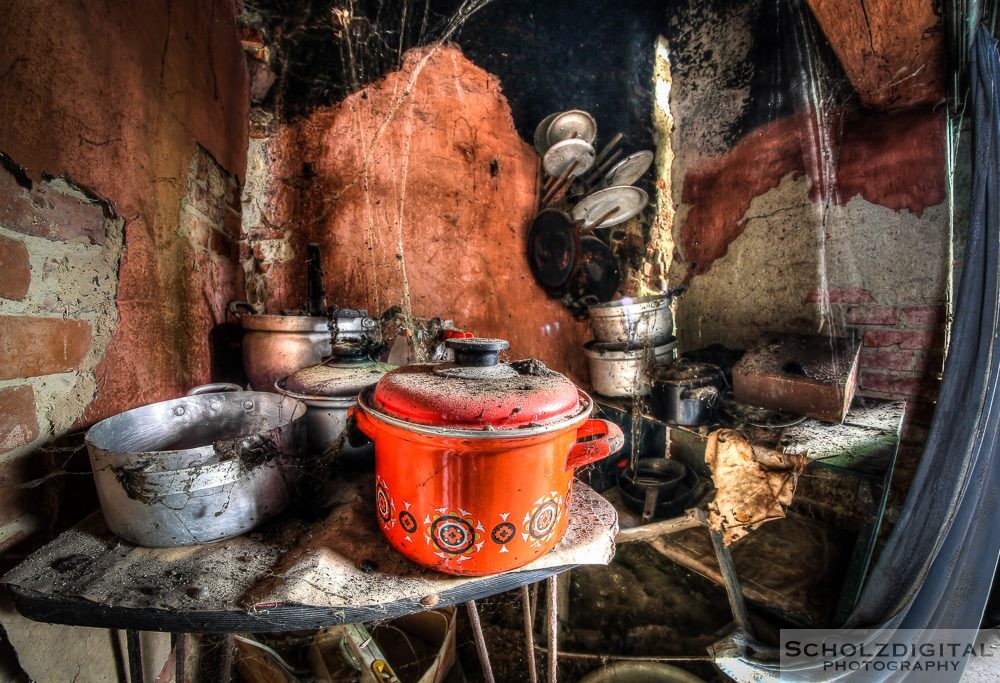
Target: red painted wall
(420, 192)
(117, 96)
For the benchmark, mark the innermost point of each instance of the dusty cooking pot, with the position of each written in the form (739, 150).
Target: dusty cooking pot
(329, 390)
(621, 370)
(474, 459)
(274, 346)
(208, 466)
(687, 392)
(642, 321)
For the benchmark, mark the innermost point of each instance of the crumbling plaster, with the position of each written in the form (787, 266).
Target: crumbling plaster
(788, 251)
(825, 198)
(420, 192)
(78, 280)
(118, 96)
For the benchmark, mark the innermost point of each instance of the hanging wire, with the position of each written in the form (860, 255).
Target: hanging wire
(962, 18)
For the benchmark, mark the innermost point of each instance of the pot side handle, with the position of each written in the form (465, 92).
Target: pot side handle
(359, 428)
(595, 440)
(214, 388)
(358, 417)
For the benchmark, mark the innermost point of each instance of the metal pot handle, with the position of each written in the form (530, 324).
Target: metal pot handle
(595, 440)
(213, 388)
(237, 308)
(649, 504)
(358, 417)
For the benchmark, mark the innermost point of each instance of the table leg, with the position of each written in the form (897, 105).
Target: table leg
(552, 625)
(180, 657)
(529, 633)
(228, 658)
(134, 656)
(477, 633)
(736, 602)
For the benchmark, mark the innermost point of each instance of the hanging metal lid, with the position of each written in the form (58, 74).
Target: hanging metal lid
(477, 392)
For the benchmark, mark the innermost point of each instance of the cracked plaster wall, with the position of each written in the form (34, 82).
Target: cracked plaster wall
(123, 131)
(420, 192)
(799, 210)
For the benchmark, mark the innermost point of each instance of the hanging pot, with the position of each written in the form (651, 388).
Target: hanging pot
(474, 460)
(621, 370)
(643, 321)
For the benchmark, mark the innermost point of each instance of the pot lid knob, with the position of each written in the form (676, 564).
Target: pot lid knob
(477, 352)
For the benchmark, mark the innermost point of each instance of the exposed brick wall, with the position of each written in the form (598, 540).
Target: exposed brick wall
(57, 313)
(118, 212)
(34, 346)
(18, 420)
(15, 269)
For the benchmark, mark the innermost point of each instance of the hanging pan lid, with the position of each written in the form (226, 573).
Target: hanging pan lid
(597, 276)
(541, 139)
(477, 392)
(574, 123)
(610, 206)
(573, 153)
(629, 169)
(553, 249)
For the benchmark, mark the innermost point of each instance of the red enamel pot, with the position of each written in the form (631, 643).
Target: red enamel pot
(474, 460)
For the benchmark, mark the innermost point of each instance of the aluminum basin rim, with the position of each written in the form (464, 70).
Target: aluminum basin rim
(97, 438)
(437, 430)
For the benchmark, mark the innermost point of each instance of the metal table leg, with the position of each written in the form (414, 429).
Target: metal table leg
(552, 625)
(477, 633)
(180, 657)
(134, 656)
(733, 591)
(529, 633)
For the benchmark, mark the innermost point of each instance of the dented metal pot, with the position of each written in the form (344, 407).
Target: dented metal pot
(274, 346)
(208, 466)
(330, 390)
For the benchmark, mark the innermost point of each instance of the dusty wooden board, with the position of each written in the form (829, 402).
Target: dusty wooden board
(288, 574)
(864, 442)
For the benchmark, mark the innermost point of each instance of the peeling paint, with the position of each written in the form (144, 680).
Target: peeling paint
(79, 280)
(762, 281)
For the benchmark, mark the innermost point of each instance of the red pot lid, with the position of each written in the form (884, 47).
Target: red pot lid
(476, 391)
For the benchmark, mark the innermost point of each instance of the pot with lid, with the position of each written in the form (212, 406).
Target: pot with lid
(474, 460)
(329, 390)
(687, 392)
